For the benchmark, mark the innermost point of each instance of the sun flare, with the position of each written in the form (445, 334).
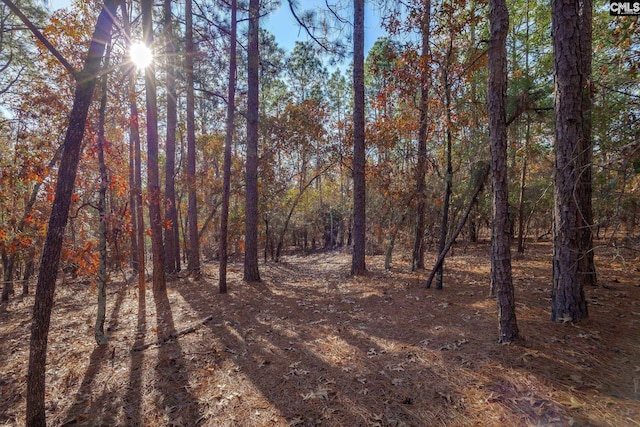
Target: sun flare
(140, 55)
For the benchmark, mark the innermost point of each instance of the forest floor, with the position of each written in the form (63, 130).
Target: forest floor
(312, 346)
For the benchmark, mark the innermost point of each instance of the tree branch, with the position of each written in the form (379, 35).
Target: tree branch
(16, 10)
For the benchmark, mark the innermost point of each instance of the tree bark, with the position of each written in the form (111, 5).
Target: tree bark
(523, 186)
(448, 180)
(417, 261)
(231, 105)
(171, 232)
(358, 265)
(588, 274)
(45, 289)
(501, 274)
(568, 302)
(481, 178)
(137, 208)
(8, 262)
(251, 273)
(153, 178)
(192, 214)
(98, 329)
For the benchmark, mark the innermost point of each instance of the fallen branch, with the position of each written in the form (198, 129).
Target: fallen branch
(173, 336)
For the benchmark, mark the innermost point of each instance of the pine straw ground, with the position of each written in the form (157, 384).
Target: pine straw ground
(312, 346)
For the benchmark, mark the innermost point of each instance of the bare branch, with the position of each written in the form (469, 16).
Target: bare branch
(16, 10)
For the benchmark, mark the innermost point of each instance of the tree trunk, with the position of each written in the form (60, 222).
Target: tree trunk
(588, 274)
(135, 252)
(285, 227)
(8, 262)
(251, 273)
(358, 266)
(523, 186)
(192, 214)
(568, 302)
(98, 329)
(392, 241)
(45, 289)
(137, 208)
(483, 172)
(28, 270)
(134, 136)
(448, 180)
(231, 105)
(501, 275)
(153, 178)
(421, 168)
(171, 235)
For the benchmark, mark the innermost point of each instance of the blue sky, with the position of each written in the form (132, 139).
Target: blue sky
(286, 30)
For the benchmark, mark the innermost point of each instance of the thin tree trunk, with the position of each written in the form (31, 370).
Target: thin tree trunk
(192, 209)
(98, 329)
(8, 262)
(568, 302)
(135, 252)
(251, 273)
(171, 236)
(448, 180)
(392, 241)
(523, 186)
(501, 275)
(134, 136)
(137, 207)
(28, 270)
(283, 232)
(482, 177)
(45, 289)
(153, 178)
(231, 105)
(588, 274)
(417, 261)
(525, 149)
(358, 265)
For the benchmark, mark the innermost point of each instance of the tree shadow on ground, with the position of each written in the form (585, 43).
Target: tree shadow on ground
(133, 396)
(103, 407)
(176, 402)
(286, 363)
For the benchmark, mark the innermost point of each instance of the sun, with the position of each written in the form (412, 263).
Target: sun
(140, 55)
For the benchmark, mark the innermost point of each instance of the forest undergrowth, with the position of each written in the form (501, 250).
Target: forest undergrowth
(312, 346)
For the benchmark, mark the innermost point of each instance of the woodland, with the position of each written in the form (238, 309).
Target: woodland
(199, 227)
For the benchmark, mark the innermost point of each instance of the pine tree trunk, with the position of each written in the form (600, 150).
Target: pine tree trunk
(98, 329)
(448, 180)
(137, 209)
(231, 105)
(587, 267)
(192, 209)
(251, 273)
(171, 235)
(501, 275)
(568, 299)
(28, 270)
(8, 262)
(421, 168)
(50, 261)
(523, 186)
(153, 178)
(135, 252)
(358, 266)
